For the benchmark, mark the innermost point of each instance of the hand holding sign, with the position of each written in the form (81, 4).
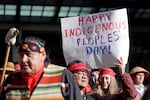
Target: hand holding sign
(120, 65)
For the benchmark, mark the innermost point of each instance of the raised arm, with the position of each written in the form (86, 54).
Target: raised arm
(129, 90)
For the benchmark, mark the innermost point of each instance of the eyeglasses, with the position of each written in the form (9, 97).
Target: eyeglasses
(86, 73)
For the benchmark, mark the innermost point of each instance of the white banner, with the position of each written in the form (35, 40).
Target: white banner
(96, 39)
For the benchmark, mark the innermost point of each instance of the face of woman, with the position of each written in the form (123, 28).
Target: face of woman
(138, 78)
(105, 81)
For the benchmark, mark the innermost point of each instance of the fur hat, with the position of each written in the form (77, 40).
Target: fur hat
(139, 69)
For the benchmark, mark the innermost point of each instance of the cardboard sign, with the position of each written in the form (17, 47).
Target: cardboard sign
(96, 39)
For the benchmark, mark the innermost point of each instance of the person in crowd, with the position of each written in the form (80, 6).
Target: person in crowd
(9, 69)
(81, 73)
(146, 95)
(17, 67)
(139, 74)
(93, 81)
(38, 79)
(109, 89)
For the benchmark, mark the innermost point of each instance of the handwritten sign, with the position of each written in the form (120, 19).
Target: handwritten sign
(96, 39)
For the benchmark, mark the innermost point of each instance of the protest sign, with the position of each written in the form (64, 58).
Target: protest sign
(96, 39)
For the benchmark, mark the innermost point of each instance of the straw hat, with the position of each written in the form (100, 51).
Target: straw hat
(9, 67)
(139, 69)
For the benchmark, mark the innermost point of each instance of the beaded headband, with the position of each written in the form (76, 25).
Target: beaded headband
(32, 46)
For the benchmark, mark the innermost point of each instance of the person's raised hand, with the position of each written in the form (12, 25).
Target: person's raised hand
(120, 65)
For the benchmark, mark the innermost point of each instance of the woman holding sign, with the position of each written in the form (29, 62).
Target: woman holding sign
(108, 88)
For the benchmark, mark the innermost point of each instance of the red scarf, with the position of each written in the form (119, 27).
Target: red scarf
(32, 79)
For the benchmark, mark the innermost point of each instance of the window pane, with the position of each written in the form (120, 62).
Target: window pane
(1, 9)
(25, 10)
(85, 10)
(36, 10)
(10, 10)
(74, 11)
(48, 11)
(63, 11)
